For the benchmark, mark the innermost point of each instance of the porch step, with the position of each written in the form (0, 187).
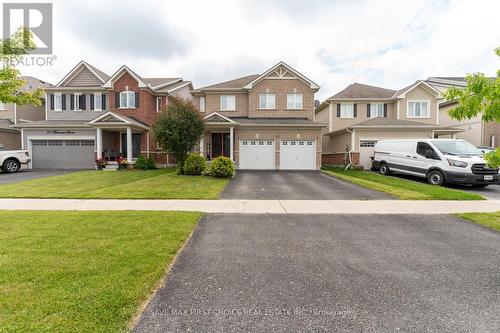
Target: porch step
(112, 166)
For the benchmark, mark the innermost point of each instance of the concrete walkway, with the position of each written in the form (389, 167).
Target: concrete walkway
(260, 206)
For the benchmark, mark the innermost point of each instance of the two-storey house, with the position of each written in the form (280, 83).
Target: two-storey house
(11, 114)
(262, 121)
(90, 114)
(360, 115)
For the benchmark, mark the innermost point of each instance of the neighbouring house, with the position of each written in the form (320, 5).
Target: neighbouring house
(262, 121)
(475, 130)
(11, 114)
(90, 115)
(360, 115)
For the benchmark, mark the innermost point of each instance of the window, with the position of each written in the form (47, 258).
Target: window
(367, 144)
(76, 102)
(417, 110)
(127, 99)
(2, 106)
(346, 110)
(158, 104)
(422, 147)
(202, 103)
(98, 102)
(57, 102)
(227, 103)
(294, 101)
(266, 101)
(376, 110)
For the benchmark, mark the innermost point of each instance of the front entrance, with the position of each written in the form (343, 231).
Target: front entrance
(136, 144)
(220, 145)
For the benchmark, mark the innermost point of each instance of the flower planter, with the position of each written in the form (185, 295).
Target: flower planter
(100, 168)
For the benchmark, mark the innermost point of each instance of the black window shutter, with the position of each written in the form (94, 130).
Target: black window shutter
(117, 100)
(72, 101)
(83, 102)
(63, 101)
(338, 110)
(368, 112)
(103, 101)
(136, 99)
(385, 110)
(355, 110)
(91, 101)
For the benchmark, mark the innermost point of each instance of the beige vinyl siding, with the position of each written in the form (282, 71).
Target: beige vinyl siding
(69, 114)
(337, 143)
(419, 94)
(30, 112)
(323, 117)
(341, 123)
(84, 78)
(390, 134)
(473, 128)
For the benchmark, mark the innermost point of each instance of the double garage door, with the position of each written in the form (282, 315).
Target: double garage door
(62, 154)
(293, 155)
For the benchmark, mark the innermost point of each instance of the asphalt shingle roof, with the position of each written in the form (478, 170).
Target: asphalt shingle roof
(359, 90)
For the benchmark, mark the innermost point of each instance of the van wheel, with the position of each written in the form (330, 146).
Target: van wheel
(435, 177)
(384, 169)
(11, 165)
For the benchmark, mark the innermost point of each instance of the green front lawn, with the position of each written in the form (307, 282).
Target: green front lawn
(490, 220)
(400, 188)
(83, 271)
(151, 184)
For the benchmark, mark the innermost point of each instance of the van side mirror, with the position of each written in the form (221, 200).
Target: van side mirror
(429, 153)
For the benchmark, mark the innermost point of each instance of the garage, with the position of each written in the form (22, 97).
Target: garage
(366, 152)
(298, 155)
(62, 154)
(256, 155)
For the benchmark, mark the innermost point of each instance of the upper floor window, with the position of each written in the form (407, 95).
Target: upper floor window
(417, 109)
(376, 110)
(202, 103)
(77, 101)
(2, 106)
(227, 103)
(267, 101)
(294, 101)
(158, 104)
(127, 99)
(98, 102)
(57, 102)
(346, 110)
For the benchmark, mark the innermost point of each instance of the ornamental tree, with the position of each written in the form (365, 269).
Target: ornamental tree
(11, 49)
(178, 129)
(480, 96)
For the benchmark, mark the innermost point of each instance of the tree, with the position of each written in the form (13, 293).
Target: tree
(11, 49)
(178, 129)
(481, 96)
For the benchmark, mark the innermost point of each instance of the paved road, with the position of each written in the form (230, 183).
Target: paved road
(348, 273)
(25, 174)
(294, 185)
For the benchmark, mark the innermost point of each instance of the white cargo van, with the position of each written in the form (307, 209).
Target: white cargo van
(439, 160)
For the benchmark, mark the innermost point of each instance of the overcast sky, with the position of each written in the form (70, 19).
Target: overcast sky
(334, 43)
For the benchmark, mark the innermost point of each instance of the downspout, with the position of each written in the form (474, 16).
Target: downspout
(349, 153)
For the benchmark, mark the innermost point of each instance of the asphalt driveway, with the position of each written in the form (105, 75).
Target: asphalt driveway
(295, 185)
(336, 273)
(25, 174)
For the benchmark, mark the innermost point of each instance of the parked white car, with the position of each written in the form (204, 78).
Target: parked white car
(11, 160)
(439, 160)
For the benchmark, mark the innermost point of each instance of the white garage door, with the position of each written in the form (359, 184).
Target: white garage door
(298, 155)
(257, 154)
(366, 151)
(62, 154)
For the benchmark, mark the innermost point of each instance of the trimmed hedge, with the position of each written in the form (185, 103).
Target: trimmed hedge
(194, 165)
(222, 167)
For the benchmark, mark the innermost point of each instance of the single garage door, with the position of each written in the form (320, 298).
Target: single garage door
(257, 155)
(366, 152)
(62, 154)
(298, 155)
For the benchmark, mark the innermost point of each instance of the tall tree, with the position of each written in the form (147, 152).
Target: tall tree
(11, 50)
(178, 129)
(481, 96)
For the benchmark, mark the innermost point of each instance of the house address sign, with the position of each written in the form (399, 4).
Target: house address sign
(60, 132)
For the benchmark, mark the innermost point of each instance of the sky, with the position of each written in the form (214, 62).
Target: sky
(334, 43)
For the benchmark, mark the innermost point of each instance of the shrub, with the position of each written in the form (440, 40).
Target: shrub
(141, 163)
(222, 167)
(150, 163)
(194, 165)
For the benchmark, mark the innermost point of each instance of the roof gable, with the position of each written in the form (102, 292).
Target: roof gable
(216, 117)
(281, 71)
(124, 69)
(402, 92)
(83, 74)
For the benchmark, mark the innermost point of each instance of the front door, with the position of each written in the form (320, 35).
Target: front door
(220, 145)
(136, 144)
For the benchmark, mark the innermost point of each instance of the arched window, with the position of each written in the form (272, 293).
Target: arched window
(127, 99)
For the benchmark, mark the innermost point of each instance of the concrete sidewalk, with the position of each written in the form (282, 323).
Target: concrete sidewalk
(260, 206)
